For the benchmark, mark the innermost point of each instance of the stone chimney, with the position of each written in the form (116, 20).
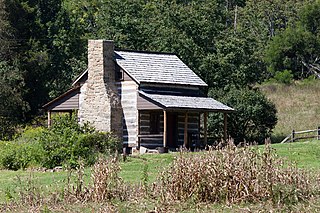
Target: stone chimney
(100, 103)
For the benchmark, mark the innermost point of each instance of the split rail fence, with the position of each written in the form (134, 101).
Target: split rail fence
(306, 134)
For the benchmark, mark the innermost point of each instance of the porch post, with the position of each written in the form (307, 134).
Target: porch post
(164, 128)
(49, 118)
(205, 127)
(225, 126)
(186, 129)
(138, 138)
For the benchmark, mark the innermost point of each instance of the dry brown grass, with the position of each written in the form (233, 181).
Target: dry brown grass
(235, 175)
(222, 179)
(298, 106)
(105, 185)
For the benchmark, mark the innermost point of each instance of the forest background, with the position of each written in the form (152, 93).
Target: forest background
(232, 44)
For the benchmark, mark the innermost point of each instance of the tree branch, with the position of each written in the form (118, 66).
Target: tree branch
(314, 68)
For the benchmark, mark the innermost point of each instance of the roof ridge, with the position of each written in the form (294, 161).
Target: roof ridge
(146, 51)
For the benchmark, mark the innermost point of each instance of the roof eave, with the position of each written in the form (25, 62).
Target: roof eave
(79, 77)
(47, 105)
(174, 83)
(200, 109)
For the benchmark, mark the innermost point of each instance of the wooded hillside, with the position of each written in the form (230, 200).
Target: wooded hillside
(231, 44)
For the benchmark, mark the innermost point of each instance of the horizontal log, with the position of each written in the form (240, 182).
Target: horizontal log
(305, 137)
(306, 131)
(151, 136)
(285, 140)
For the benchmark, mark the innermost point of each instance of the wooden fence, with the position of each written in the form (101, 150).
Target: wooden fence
(306, 134)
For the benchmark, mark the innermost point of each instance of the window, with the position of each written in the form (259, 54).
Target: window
(154, 123)
(119, 76)
(119, 73)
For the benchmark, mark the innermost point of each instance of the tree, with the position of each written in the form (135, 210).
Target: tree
(12, 105)
(6, 42)
(253, 119)
(297, 48)
(234, 64)
(49, 49)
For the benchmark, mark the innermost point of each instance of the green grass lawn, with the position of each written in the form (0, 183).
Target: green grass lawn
(305, 154)
(133, 169)
(11, 182)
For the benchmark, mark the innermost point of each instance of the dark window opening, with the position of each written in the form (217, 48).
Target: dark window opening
(119, 74)
(154, 123)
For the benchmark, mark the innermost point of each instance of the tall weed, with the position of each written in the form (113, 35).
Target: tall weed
(232, 175)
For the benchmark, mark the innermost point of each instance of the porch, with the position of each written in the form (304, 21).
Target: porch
(174, 129)
(173, 121)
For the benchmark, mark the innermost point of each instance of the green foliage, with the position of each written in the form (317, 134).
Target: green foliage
(297, 47)
(253, 119)
(44, 42)
(12, 105)
(22, 152)
(235, 63)
(66, 142)
(5, 33)
(284, 77)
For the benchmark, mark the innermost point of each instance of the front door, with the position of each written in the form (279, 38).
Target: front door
(172, 129)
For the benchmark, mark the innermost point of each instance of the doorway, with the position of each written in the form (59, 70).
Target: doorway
(172, 129)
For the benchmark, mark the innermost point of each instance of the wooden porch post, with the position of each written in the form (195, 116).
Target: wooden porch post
(186, 129)
(164, 128)
(138, 138)
(205, 127)
(49, 118)
(225, 126)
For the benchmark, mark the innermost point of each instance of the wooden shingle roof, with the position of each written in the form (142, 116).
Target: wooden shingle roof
(187, 102)
(157, 68)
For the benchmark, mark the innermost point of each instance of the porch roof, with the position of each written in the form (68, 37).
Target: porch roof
(186, 102)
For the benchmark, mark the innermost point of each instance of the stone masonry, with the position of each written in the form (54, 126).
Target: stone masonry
(101, 105)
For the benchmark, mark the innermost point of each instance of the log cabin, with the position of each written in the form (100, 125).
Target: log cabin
(147, 99)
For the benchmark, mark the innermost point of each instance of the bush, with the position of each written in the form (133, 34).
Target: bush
(91, 145)
(63, 144)
(22, 152)
(253, 119)
(66, 142)
(283, 77)
(234, 175)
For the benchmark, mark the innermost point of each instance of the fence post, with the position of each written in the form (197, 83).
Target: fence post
(318, 132)
(292, 136)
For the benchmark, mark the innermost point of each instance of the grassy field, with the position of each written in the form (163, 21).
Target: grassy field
(132, 170)
(298, 106)
(305, 154)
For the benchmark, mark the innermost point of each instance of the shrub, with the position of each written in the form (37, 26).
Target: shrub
(7, 128)
(15, 155)
(22, 152)
(63, 144)
(233, 175)
(66, 142)
(253, 119)
(91, 145)
(283, 77)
